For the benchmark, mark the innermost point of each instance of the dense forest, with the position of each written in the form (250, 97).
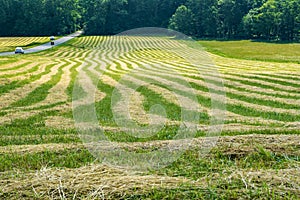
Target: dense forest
(233, 19)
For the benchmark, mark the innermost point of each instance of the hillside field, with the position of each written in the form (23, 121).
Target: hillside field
(256, 157)
(10, 43)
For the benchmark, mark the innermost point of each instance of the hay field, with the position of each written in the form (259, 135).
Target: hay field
(42, 157)
(10, 43)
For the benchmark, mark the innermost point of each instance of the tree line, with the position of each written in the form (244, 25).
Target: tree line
(261, 19)
(39, 17)
(233, 19)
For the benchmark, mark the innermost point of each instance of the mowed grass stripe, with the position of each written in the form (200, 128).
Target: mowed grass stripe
(119, 65)
(287, 102)
(268, 79)
(20, 69)
(29, 86)
(255, 66)
(9, 43)
(27, 70)
(18, 84)
(248, 88)
(265, 103)
(259, 84)
(41, 92)
(278, 114)
(266, 154)
(58, 94)
(13, 65)
(282, 76)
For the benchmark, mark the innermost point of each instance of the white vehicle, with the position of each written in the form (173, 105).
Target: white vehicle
(19, 50)
(52, 38)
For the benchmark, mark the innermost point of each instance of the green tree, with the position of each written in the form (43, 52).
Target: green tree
(182, 20)
(205, 14)
(264, 22)
(289, 26)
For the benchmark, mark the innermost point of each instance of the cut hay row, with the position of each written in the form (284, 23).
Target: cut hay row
(13, 65)
(228, 145)
(92, 182)
(57, 93)
(47, 160)
(233, 64)
(20, 71)
(198, 75)
(202, 83)
(41, 68)
(271, 78)
(19, 93)
(21, 41)
(154, 62)
(103, 181)
(271, 109)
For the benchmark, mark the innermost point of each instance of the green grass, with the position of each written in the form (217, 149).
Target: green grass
(186, 192)
(251, 50)
(268, 80)
(40, 93)
(211, 172)
(16, 84)
(35, 161)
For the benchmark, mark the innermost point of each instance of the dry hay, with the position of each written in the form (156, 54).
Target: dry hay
(12, 65)
(109, 52)
(281, 181)
(92, 182)
(98, 181)
(238, 65)
(58, 92)
(22, 92)
(28, 149)
(59, 122)
(228, 145)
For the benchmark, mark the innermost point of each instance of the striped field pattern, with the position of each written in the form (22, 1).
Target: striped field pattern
(9, 43)
(37, 126)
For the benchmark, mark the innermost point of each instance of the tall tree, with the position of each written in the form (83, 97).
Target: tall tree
(182, 20)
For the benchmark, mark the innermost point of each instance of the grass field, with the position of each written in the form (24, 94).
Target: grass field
(257, 157)
(10, 43)
(252, 50)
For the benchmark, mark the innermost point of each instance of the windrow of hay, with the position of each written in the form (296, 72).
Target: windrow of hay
(21, 41)
(22, 92)
(58, 92)
(152, 59)
(11, 66)
(91, 182)
(59, 122)
(229, 145)
(238, 65)
(282, 181)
